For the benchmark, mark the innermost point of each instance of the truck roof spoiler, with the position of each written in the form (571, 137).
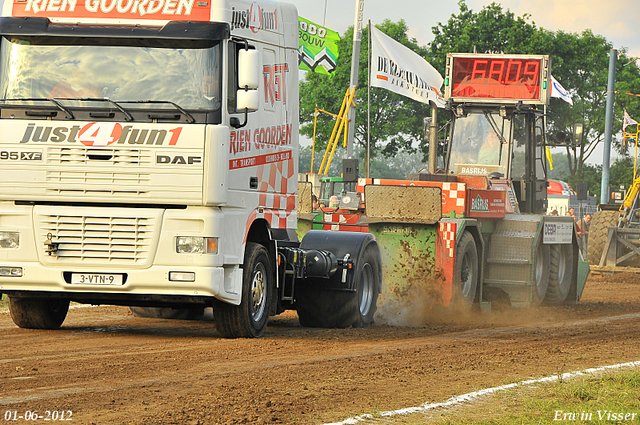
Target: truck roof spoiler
(172, 30)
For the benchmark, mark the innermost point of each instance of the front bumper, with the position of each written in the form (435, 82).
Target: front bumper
(218, 282)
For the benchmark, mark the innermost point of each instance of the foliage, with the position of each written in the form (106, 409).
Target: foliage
(620, 173)
(591, 175)
(396, 121)
(395, 167)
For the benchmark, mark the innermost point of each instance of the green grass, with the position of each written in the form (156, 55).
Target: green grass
(592, 399)
(4, 304)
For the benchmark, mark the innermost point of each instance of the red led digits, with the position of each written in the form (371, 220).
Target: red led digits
(498, 78)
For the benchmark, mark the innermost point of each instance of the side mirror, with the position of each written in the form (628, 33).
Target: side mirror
(248, 100)
(249, 73)
(249, 69)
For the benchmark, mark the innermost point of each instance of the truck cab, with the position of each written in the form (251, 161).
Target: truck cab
(148, 158)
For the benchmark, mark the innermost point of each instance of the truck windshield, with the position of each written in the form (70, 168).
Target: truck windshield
(184, 72)
(480, 139)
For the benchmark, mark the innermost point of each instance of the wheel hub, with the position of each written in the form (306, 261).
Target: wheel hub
(258, 293)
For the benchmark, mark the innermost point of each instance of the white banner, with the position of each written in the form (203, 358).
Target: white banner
(560, 92)
(399, 69)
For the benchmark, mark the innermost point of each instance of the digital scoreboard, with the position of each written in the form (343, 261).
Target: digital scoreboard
(497, 78)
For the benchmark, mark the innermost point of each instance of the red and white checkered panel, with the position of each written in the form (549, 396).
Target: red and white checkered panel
(343, 223)
(276, 204)
(277, 185)
(448, 236)
(446, 258)
(277, 201)
(453, 198)
(277, 219)
(277, 177)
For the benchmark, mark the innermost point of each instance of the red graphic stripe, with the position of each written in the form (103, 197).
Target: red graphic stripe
(254, 161)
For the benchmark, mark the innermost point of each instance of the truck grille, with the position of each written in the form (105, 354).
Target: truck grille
(123, 240)
(100, 157)
(107, 167)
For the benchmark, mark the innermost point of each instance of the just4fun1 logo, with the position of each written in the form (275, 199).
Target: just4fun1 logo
(101, 134)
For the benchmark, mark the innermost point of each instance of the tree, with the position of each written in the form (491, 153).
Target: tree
(396, 121)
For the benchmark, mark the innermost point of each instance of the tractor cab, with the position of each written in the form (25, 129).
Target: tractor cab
(497, 123)
(501, 142)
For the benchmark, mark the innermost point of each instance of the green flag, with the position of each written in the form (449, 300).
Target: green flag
(318, 47)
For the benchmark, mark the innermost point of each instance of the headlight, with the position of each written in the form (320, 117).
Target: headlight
(10, 271)
(9, 240)
(196, 245)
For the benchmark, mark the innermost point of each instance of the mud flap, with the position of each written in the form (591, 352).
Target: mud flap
(583, 273)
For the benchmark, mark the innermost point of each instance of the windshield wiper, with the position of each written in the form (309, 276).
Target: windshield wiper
(127, 115)
(40, 99)
(494, 126)
(168, 102)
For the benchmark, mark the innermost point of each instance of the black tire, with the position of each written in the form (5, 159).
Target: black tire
(38, 313)
(560, 273)
(249, 319)
(598, 233)
(194, 313)
(541, 265)
(465, 279)
(322, 308)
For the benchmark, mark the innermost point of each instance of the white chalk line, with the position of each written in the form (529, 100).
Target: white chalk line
(469, 397)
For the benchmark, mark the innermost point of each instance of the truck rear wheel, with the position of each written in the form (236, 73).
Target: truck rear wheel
(249, 319)
(38, 313)
(465, 280)
(560, 273)
(323, 308)
(194, 313)
(598, 233)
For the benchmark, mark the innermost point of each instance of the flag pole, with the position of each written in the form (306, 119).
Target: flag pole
(367, 163)
(355, 65)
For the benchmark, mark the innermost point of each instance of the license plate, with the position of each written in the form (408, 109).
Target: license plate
(96, 279)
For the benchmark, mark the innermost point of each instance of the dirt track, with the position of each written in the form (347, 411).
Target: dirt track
(109, 367)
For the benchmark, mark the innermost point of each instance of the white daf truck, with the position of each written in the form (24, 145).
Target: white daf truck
(149, 158)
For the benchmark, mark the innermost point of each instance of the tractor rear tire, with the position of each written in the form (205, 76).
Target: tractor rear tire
(465, 279)
(323, 308)
(541, 266)
(560, 273)
(598, 233)
(38, 313)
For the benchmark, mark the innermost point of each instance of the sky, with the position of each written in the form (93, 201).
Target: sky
(613, 20)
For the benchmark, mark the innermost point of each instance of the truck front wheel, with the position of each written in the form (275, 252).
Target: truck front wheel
(249, 319)
(38, 313)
